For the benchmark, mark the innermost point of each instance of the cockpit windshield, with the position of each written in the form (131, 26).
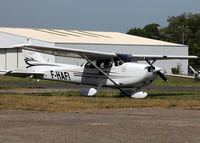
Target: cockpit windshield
(127, 58)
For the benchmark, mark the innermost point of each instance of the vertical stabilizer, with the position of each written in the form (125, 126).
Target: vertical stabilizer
(192, 69)
(32, 59)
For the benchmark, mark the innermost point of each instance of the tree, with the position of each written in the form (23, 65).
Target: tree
(149, 31)
(177, 70)
(184, 28)
(136, 31)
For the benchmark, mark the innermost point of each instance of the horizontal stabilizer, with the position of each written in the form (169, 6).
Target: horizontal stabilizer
(22, 74)
(178, 75)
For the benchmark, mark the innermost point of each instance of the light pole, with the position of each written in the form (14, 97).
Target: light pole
(183, 28)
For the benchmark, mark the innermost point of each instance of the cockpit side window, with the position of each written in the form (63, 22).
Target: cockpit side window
(89, 65)
(106, 63)
(117, 61)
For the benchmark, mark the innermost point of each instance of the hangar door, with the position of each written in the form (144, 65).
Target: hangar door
(9, 59)
(2, 59)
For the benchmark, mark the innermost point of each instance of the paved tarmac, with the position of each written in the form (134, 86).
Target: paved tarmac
(111, 126)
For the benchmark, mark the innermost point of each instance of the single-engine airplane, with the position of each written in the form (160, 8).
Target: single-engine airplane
(102, 69)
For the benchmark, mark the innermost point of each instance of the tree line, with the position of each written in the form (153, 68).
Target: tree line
(182, 29)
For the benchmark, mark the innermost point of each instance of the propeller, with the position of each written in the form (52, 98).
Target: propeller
(158, 72)
(162, 76)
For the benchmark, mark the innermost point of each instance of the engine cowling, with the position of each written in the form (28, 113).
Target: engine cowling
(88, 91)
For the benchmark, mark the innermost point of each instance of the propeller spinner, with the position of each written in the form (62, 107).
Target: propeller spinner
(158, 72)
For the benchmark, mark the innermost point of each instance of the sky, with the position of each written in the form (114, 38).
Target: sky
(97, 15)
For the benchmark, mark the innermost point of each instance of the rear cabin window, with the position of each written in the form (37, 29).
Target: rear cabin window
(106, 63)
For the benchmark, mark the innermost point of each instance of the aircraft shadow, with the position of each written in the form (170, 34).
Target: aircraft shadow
(115, 96)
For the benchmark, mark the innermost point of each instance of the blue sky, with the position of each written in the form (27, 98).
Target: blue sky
(101, 15)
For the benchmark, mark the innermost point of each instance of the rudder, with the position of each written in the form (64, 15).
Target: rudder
(32, 58)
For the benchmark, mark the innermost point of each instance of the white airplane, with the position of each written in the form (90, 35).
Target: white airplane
(196, 74)
(102, 69)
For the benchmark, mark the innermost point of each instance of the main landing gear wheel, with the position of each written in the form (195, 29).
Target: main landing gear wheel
(134, 93)
(88, 91)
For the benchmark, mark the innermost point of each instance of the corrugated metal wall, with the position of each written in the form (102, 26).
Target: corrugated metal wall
(11, 58)
(2, 59)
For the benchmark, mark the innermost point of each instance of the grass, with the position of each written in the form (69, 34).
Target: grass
(173, 81)
(11, 79)
(7, 87)
(72, 101)
(176, 81)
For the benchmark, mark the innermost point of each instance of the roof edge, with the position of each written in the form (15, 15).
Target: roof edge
(122, 44)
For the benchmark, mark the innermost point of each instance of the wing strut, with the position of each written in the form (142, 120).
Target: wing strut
(115, 83)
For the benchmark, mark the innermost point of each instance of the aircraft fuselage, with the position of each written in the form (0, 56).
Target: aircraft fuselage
(126, 75)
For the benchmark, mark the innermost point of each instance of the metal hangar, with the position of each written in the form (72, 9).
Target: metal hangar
(11, 59)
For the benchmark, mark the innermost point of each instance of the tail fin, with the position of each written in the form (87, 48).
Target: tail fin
(192, 69)
(32, 58)
(196, 73)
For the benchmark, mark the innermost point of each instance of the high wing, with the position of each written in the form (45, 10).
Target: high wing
(92, 55)
(21, 74)
(161, 57)
(67, 52)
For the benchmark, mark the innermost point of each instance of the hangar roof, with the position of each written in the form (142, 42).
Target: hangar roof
(84, 37)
